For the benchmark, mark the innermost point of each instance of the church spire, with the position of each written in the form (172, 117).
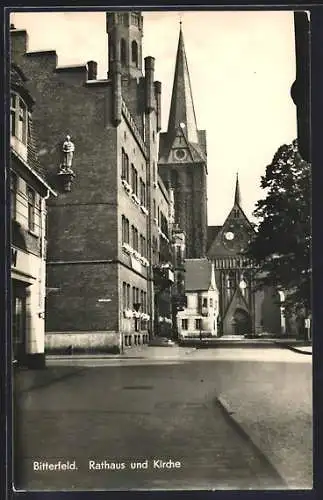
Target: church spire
(237, 195)
(182, 108)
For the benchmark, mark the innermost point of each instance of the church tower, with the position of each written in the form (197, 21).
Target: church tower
(182, 160)
(125, 31)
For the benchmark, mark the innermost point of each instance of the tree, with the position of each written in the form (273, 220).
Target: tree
(281, 247)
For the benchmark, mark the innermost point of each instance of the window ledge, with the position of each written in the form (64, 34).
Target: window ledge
(33, 233)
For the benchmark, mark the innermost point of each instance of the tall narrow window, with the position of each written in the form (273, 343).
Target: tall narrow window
(134, 53)
(134, 180)
(198, 324)
(124, 166)
(141, 248)
(136, 242)
(13, 195)
(128, 297)
(18, 118)
(144, 247)
(127, 231)
(124, 295)
(123, 51)
(184, 324)
(31, 209)
(142, 193)
(123, 228)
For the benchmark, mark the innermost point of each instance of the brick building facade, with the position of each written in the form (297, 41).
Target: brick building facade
(108, 233)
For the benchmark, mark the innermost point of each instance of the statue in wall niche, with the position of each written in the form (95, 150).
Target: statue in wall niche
(68, 153)
(65, 172)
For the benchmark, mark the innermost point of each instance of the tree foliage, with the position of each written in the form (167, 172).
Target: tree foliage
(282, 243)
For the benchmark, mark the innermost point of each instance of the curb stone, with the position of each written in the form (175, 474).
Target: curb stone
(294, 349)
(239, 427)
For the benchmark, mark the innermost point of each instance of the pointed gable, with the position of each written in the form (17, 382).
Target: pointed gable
(237, 302)
(233, 237)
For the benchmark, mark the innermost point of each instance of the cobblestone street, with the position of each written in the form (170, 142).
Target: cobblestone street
(163, 409)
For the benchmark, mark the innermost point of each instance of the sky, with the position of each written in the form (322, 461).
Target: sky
(241, 64)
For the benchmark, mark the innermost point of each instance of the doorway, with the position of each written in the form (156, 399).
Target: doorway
(18, 322)
(241, 323)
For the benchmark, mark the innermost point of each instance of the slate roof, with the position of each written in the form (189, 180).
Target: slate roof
(182, 106)
(198, 274)
(18, 82)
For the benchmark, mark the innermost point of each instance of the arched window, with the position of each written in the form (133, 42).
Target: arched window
(134, 53)
(123, 51)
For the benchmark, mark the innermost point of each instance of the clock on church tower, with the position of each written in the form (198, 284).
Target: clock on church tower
(234, 239)
(180, 154)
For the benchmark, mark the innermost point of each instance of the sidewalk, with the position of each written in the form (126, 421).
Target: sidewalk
(129, 352)
(276, 413)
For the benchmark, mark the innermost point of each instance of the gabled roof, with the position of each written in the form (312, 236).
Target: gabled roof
(235, 217)
(198, 274)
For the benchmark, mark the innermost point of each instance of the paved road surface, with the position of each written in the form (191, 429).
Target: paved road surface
(139, 410)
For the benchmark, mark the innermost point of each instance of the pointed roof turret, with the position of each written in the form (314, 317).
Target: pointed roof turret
(182, 111)
(237, 194)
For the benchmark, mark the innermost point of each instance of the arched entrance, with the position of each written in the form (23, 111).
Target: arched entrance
(241, 322)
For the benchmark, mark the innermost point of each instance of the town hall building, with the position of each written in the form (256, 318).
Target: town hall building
(109, 246)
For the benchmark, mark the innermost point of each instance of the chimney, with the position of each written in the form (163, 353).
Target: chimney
(116, 92)
(158, 103)
(149, 79)
(92, 70)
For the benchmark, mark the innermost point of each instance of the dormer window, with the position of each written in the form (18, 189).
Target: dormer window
(18, 118)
